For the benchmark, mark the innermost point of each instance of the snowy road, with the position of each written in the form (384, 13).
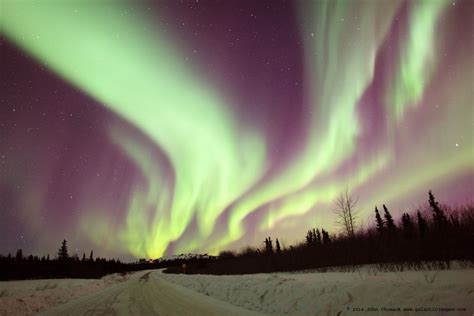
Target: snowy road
(295, 293)
(147, 294)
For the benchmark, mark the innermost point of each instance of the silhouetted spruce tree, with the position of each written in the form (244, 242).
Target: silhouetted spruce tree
(268, 245)
(309, 238)
(318, 237)
(83, 257)
(407, 226)
(439, 217)
(326, 238)
(278, 248)
(91, 257)
(391, 227)
(19, 255)
(379, 221)
(62, 252)
(421, 224)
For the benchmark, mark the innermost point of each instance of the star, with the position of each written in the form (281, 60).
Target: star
(249, 101)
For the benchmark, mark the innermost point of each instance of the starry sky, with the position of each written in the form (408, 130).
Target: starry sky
(140, 129)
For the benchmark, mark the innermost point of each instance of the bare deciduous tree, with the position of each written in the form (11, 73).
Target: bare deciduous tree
(346, 213)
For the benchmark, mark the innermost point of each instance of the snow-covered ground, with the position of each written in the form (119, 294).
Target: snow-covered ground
(314, 293)
(298, 293)
(140, 293)
(147, 295)
(31, 296)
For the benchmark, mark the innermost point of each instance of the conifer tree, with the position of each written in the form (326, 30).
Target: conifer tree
(389, 220)
(407, 225)
(421, 224)
(62, 252)
(268, 245)
(278, 248)
(309, 238)
(379, 221)
(439, 217)
(318, 237)
(326, 238)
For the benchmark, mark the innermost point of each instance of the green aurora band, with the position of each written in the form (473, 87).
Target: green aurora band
(163, 98)
(417, 60)
(217, 161)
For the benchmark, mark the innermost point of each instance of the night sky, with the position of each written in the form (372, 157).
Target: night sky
(139, 129)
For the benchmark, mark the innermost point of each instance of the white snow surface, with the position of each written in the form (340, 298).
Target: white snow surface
(328, 293)
(298, 293)
(31, 296)
(140, 293)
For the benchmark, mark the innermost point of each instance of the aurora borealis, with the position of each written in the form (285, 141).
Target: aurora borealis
(149, 128)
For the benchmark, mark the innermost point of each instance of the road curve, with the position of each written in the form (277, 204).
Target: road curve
(147, 294)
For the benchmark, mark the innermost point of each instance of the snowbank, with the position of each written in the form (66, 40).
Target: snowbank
(302, 293)
(31, 296)
(314, 293)
(147, 295)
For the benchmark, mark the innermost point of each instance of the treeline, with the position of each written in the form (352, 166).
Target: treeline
(19, 267)
(436, 234)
